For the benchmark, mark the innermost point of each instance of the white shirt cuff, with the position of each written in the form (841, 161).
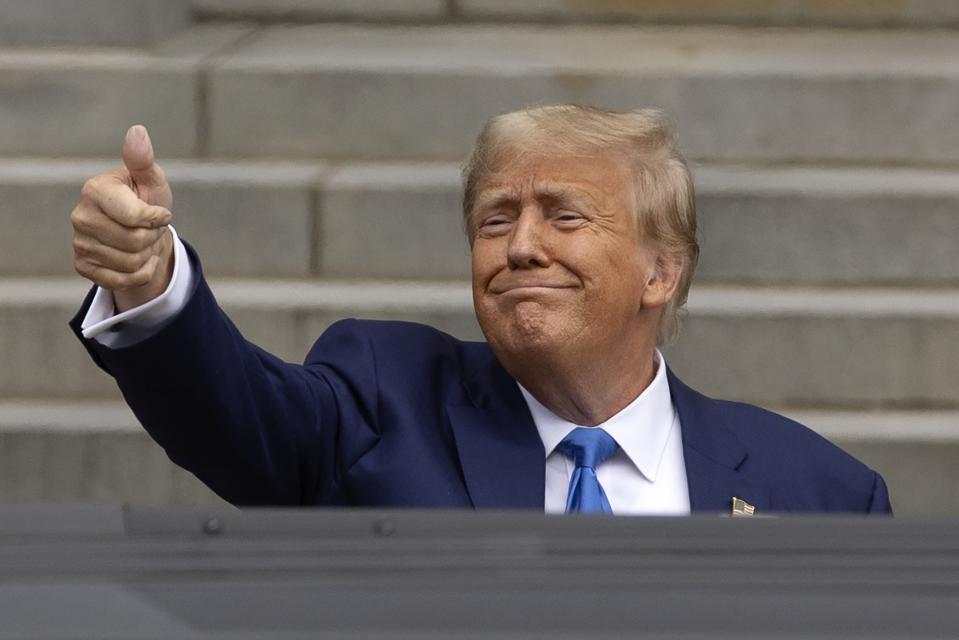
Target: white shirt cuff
(117, 330)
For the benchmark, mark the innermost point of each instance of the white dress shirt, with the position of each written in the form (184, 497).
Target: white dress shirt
(646, 475)
(117, 330)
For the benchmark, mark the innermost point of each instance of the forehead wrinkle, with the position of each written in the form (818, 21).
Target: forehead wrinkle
(541, 189)
(561, 191)
(496, 196)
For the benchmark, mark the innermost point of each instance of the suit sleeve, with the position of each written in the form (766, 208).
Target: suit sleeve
(116, 330)
(255, 429)
(879, 504)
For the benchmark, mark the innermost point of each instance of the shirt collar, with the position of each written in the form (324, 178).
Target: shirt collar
(641, 428)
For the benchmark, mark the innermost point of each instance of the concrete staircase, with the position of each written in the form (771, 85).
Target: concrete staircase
(314, 145)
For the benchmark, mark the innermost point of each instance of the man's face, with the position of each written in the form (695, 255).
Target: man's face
(558, 263)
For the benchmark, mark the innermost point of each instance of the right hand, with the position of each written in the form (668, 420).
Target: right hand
(120, 236)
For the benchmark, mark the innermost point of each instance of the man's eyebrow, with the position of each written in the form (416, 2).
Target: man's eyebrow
(494, 198)
(563, 193)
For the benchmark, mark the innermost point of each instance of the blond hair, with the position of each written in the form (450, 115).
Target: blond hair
(663, 187)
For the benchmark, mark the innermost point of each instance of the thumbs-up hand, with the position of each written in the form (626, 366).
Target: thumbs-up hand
(120, 236)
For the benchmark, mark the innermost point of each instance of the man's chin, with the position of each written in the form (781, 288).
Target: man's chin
(525, 326)
(527, 339)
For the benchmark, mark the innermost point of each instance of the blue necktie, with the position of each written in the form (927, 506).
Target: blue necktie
(588, 448)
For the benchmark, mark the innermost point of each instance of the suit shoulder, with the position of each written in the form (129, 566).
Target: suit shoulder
(391, 331)
(806, 471)
(393, 343)
(768, 429)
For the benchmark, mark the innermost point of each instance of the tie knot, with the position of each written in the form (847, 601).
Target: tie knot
(588, 447)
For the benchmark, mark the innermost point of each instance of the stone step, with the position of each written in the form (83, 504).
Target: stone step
(97, 452)
(421, 92)
(916, 452)
(324, 10)
(917, 13)
(806, 348)
(70, 103)
(78, 102)
(737, 94)
(247, 218)
(913, 13)
(88, 452)
(128, 23)
(798, 225)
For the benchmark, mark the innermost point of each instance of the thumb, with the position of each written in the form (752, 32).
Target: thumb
(139, 159)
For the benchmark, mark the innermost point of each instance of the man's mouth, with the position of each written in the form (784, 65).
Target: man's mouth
(529, 288)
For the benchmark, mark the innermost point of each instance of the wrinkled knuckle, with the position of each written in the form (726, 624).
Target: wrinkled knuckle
(124, 281)
(133, 262)
(143, 238)
(85, 269)
(80, 218)
(140, 278)
(127, 244)
(120, 263)
(91, 188)
(88, 190)
(125, 241)
(124, 263)
(143, 217)
(143, 256)
(153, 216)
(79, 246)
(142, 220)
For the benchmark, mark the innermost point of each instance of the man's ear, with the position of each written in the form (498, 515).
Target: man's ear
(662, 283)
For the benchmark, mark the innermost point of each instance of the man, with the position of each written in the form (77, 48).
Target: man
(583, 232)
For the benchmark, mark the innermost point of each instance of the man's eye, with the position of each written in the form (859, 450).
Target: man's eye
(567, 216)
(494, 222)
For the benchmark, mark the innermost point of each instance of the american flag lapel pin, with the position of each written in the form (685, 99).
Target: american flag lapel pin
(742, 508)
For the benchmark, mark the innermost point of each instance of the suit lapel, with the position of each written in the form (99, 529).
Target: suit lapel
(713, 454)
(503, 461)
(712, 486)
(500, 451)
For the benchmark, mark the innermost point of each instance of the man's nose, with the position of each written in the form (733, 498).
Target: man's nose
(527, 242)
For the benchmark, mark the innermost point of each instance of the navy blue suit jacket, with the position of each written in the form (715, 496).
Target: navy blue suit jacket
(397, 414)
